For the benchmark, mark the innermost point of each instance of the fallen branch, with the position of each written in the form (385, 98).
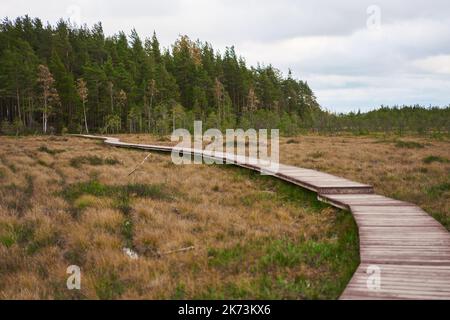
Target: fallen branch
(139, 165)
(176, 251)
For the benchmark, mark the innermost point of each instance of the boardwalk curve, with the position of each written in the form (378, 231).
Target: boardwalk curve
(405, 253)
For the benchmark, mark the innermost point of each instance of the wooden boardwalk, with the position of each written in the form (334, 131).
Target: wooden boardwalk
(405, 253)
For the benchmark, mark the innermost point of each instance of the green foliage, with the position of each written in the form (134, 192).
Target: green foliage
(431, 159)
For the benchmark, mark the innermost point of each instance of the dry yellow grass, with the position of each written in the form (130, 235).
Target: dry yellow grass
(66, 201)
(410, 169)
(413, 169)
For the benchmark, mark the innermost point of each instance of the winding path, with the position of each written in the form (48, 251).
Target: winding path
(405, 253)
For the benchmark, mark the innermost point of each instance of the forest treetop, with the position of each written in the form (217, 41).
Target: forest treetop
(64, 78)
(132, 84)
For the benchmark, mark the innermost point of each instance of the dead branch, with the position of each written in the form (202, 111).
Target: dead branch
(176, 251)
(139, 165)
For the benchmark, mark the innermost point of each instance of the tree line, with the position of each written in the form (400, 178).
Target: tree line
(395, 119)
(65, 78)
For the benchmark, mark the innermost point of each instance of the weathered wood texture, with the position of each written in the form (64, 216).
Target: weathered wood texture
(408, 250)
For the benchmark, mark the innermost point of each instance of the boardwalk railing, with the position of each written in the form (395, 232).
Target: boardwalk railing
(405, 253)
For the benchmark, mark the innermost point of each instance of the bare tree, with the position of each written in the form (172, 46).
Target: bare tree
(83, 93)
(49, 94)
(252, 100)
(111, 94)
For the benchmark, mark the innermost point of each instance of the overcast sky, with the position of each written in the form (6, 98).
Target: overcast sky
(353, 54)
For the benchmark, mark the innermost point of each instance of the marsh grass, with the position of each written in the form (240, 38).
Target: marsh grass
(431, 159)
(316, 155)
(83, 195)
(46, 149)
(409, 172)
(87, 215)
(409, 144)
(77, 162)
(98, 189)
(19, 197)
(270, 262)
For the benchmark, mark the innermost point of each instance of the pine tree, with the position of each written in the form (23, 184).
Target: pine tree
(137, 84)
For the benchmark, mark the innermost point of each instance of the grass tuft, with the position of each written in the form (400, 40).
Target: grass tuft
(439, 189)
(49, 151)
(409, 144)
(431, 159)
(316, 155)
(108, 286)
(22, 196)
(77, 162)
